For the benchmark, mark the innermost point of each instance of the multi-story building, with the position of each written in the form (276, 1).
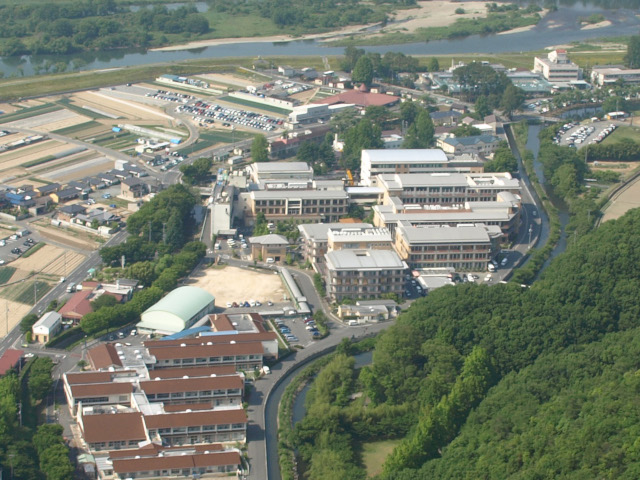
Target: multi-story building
(504, 212)
(359, 239)
(477, 144)
(244, 356)
(315, 239)
(280, 171)
(202, 426)
(606, 74)
(377, 162)
(557, 68)
(157, 461)
(447, 188)
(465, 247)
(365, 274)
(298, 205)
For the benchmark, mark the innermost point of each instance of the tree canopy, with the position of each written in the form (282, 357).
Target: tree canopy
(500, 381)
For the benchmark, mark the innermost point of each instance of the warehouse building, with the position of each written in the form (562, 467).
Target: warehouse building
(179, 310)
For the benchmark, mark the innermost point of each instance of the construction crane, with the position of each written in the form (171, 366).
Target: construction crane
(350, 181)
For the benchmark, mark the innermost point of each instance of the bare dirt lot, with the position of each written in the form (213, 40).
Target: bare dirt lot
(233, 284)
(625, 201)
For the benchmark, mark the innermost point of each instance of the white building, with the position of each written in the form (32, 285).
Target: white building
(557, 67)
(47, 327)
(376, 162)
(280, 171)
(605, 74)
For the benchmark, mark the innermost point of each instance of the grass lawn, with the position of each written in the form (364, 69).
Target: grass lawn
(228, 26)
(621, 133)
(6, 273)
(375, 453)
(225, 136)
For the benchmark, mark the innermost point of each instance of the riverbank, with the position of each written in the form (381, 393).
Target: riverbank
(402, 27)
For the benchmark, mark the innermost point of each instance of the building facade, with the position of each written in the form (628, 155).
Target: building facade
(363, 274)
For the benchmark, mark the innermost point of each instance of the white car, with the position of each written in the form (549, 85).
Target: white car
(228, 304)
(488, 278)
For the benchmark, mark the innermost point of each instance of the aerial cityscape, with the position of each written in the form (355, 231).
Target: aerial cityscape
(279, 240)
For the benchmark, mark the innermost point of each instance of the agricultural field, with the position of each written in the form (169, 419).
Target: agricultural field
(6, 273)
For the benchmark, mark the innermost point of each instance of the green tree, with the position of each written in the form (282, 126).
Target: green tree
(482, 107)
(363, 71)
(632, 58)
(615, 104)
(259, 149)
(420, 133)
(434, 65)
(363, 136)
(512, 99)
(465, 130)
(103, 301)
(27, 322)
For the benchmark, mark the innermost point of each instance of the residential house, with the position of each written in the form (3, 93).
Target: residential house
(47, 327)
(65, 195)
(132, 188)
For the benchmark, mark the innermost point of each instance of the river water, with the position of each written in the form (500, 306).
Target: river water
(533, 144)
(556, 28)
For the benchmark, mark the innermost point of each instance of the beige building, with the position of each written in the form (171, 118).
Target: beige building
(47, 327)
(465, 247)
(363, 274)
(270, 246)
(297, 205)
(557, 67)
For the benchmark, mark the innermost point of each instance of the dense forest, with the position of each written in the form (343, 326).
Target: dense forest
(72, 26)
(497, 382)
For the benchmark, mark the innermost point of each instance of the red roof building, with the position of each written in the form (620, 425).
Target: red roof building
(10, 359)
(361, 99)
(77, 306)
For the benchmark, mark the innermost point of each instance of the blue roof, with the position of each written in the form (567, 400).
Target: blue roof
(186, 333)
(224, 332)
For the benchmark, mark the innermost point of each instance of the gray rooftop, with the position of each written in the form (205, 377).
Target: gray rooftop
(364, 260)
(473, 140)
(298, 194)
(270, 239)
(393, 156)
(319, 232)
(444, 234)
(281, 167)
(359, 234)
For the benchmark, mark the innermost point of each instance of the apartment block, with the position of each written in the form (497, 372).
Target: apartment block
(505, 213)
(447, 188)
(299, 205)
(465, 247)
(363, 274)
(315, 239)
(384, 161)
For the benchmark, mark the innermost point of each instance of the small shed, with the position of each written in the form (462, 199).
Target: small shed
(47, 327)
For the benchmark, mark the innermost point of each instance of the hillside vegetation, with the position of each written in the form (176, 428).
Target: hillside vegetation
(498, 382)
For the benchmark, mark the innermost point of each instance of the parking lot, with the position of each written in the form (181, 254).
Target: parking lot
(208, 113)
(15, 245)
(297, 330)
(577, 136)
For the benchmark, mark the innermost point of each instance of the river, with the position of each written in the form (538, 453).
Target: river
(533, 144)
(556, 28)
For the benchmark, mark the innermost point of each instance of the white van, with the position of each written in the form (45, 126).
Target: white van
(491, 267)
(353, 323)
